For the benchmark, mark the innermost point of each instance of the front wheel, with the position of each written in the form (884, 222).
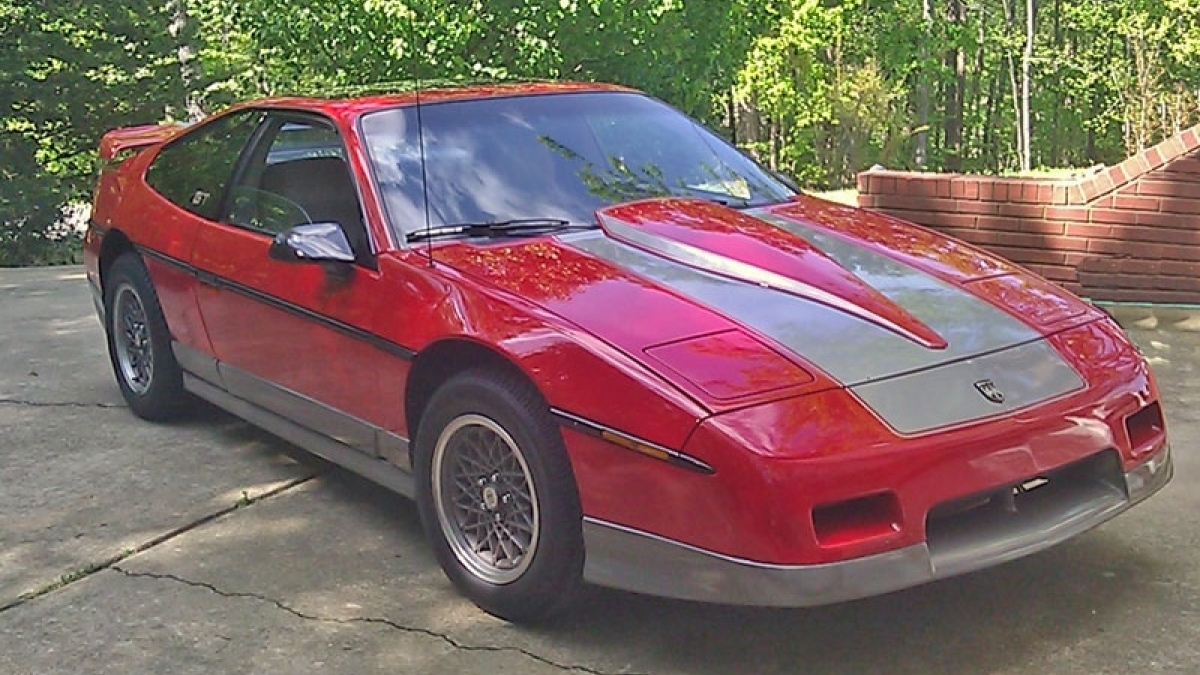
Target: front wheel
(498, 498)
(139, 344)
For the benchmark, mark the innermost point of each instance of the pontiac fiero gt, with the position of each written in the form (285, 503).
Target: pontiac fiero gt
(595, 342)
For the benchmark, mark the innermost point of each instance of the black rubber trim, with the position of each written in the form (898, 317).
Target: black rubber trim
(217, 281)
(597, 430)
(164, 258)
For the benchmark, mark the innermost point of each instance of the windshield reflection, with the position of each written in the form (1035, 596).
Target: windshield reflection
(550, 156)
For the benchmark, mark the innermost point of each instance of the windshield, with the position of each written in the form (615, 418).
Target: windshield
(558, 156)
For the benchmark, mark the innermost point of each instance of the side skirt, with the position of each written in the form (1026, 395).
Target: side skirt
(375, 469)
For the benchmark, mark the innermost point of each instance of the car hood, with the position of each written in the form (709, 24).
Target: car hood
(863, 298)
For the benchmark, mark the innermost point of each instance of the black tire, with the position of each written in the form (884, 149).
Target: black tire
(529, 565)
(139, 344)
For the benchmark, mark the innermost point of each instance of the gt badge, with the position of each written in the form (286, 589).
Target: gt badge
(990, 391)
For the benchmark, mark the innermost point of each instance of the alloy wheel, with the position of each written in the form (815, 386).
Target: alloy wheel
(485, 499)
(135, 354)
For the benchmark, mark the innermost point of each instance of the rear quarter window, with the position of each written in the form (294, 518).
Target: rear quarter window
(194, 171)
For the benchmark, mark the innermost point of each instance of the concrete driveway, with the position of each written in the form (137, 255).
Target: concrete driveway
(204, 546)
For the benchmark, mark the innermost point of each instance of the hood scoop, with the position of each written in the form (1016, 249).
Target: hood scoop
(722, 241)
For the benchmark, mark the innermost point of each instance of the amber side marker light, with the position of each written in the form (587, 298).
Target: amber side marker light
(1145, 428)
(636, 446)
(621, 440)
(855, 520)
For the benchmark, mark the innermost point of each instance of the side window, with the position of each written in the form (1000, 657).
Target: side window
(194, 170)
(299, 175)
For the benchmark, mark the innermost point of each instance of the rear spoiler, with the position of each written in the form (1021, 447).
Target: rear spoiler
(118, 142)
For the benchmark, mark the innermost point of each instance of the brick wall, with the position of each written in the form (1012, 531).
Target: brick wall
(1130, 232)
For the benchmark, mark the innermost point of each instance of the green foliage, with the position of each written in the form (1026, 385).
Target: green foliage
(828, 107)
(833, 87)
(69, 71)
(818, 88)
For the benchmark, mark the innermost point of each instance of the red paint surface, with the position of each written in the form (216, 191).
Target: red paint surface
(118, 140)
(921, 248)
(1033, 300)
(726, 232)
(301, 355)
(350, 108)
(610, 346)
(1029, 298)
(778, 461)
(730, 364)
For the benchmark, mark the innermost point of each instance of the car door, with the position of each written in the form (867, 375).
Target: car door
(296, 338)
(182, 179)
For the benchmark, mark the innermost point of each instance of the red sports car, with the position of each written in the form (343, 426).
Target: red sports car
(595, 342)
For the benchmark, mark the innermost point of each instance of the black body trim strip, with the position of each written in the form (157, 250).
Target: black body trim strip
(216, 281)
(168, 260)
(631, 442)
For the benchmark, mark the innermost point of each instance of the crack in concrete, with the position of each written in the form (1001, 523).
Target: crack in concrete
(59, 404)
(110, 562)
(416, 630)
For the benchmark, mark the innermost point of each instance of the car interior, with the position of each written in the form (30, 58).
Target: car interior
(322, 188)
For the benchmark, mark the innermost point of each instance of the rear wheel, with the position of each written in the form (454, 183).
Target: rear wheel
(498, 498)
(139, 345)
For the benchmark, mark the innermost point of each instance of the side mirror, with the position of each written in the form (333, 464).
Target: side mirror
(313, 242)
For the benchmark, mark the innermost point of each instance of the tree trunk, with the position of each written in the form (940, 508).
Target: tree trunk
(184, 35)
(1026, 84)
(731, 120)
(922, 150)
(975, 140)
(1059, 102)
(953, 123)
(1009, 26)
(990, 123)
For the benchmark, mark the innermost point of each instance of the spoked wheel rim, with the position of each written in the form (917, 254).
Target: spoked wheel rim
(485, 499)
(131, 337)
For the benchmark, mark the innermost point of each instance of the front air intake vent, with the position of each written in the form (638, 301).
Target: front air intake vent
(1146, 428)
(1018, 518)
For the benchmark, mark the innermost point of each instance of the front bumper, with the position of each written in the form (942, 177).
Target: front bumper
(641, 562)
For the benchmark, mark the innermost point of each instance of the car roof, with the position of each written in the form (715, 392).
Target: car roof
(367, 99)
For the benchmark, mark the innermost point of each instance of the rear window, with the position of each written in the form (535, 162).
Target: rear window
(194, 170)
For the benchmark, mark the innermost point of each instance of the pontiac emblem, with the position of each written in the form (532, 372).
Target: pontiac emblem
(990, 391)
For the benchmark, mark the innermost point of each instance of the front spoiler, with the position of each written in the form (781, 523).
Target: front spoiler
(633, 560)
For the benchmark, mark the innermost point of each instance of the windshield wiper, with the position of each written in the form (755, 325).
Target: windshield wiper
(501, 228)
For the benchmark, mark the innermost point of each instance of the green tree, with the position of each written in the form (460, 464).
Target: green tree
(818, 88)
(69, 71)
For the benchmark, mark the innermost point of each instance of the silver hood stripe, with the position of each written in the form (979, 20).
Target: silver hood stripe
(953, 393)
(912, 388)
(716, 263)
